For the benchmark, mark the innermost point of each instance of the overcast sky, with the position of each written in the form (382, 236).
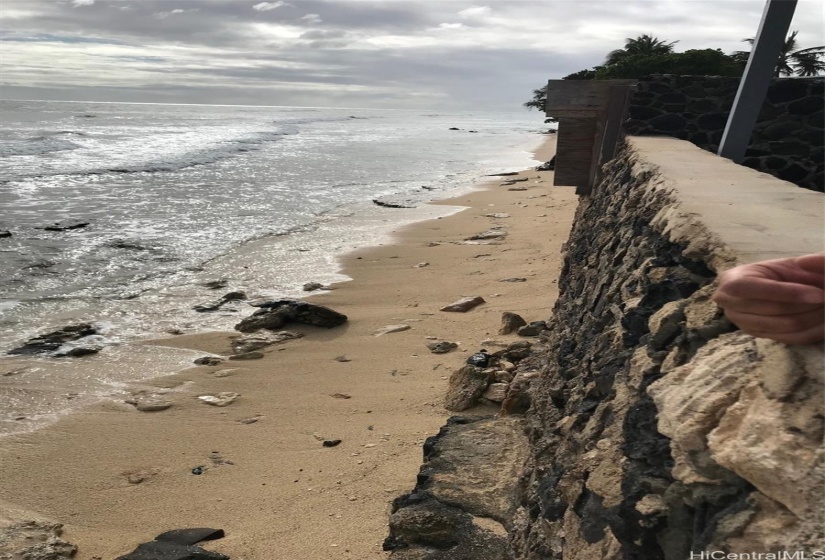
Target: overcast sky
(336, 53)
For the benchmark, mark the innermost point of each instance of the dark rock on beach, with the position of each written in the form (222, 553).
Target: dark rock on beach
(533, 329)
(128, 245)
(479, 359)
(52, 341)
(4, 233)
(190, 536)
(466, 387)
(178, 545)
(314, 286)
(548, 165)
(514, 181)
(78, 351)
(510, 322)
(393, 203)
(464, 304)
(516, 351)
(273, 315)
(216, 284)
(441, 346)
(66, 225)
(207, 361)
(217, 304)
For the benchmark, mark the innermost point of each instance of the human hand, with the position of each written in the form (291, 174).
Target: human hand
(781, 299)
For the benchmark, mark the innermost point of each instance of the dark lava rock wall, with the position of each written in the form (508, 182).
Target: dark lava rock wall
(648, 432)
(787, 141)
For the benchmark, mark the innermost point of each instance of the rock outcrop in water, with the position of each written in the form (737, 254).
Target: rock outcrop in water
(218, 303)
(393, 203)
(63, 342)
(66, 225)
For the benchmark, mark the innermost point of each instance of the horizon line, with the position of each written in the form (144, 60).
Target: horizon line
(242, 105)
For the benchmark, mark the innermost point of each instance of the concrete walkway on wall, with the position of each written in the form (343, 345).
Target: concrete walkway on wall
(755, 215)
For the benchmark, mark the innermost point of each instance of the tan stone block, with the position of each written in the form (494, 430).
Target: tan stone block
(692, 398)
(652, 504)
(606, 478)
(496, 392)
(754, 440)
(769, 526)
(780, 369)
(670, 314)
(700, 309)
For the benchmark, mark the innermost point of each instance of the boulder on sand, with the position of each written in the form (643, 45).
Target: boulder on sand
(466, 387)
(464, 304)
(441, 346)
(510, 322)
(273, 315)
(218, 303)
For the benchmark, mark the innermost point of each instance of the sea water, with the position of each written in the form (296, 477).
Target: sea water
(175, 196)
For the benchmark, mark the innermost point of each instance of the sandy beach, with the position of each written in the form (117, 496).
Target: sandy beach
(116, 477)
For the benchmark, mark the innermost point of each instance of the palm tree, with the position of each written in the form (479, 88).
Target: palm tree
(792, 60)
(646, 45)
(539, 98)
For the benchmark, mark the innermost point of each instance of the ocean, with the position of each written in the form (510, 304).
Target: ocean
(256, 199)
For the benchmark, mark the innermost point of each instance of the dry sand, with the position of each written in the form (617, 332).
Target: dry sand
(271, 485)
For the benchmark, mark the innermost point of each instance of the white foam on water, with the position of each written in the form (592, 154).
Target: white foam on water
(276, 214)
(32, 399)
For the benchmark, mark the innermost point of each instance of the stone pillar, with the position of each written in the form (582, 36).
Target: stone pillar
(590, 113)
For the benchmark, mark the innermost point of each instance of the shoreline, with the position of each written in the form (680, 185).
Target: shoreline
(117, 477)
(128, 327)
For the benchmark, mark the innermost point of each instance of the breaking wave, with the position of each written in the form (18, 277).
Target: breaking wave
(38, 145)
(163, 154)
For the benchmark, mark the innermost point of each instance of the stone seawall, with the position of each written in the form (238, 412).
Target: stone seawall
(787, 140)
(657, 429)
(653, 427)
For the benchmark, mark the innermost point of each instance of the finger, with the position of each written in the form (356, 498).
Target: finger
(749, 287)
(761, 306)
(808, 336)
(780, 324)
(812, 263)
(785, 270)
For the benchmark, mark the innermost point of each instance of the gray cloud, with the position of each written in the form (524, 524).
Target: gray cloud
(372, 53)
